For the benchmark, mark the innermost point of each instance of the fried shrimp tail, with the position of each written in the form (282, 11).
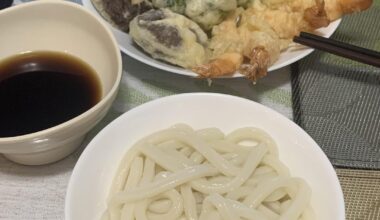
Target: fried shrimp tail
(258, 65)
(229, 63)
(316, 15)
(337, 8)
(225, 64)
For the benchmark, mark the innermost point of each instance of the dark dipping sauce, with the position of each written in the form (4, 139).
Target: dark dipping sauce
(39, 90)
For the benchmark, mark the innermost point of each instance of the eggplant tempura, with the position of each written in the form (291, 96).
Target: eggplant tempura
(170, 36)
(219, 37)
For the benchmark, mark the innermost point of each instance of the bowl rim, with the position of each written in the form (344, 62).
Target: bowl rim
(102, 102)
(328, 167)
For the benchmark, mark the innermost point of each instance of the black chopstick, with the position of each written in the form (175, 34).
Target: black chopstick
(339, 48)
(340, 44)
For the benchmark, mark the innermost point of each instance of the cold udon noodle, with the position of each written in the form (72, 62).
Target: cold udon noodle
(181, 173)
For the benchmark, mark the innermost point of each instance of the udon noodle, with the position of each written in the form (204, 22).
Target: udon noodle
(181, 173)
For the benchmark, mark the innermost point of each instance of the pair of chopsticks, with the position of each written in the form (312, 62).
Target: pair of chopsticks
(349, 51)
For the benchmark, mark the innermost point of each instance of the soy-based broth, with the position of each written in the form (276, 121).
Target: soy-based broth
(39, 90)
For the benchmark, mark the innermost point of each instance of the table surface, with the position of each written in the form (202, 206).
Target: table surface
(38, 192)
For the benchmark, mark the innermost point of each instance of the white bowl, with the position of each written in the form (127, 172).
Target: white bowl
(64, 27)
(92, 176)
(127, 46)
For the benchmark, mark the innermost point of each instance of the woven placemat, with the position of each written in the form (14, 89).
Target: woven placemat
(337, 101)
(361, 191)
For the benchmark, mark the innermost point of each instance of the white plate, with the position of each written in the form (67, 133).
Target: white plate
(126, 45)
(93, 174)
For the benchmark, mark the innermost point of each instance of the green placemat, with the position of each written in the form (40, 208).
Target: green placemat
(337, 101)
(361, 191)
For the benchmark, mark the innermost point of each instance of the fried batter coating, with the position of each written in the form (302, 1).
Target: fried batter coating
(246, 35)
(266, 28)
(225, 64)
(206, 13)
(170, 37)
(120, 12)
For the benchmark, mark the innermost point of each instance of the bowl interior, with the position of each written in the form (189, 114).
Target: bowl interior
(298, 151)
(59, 26)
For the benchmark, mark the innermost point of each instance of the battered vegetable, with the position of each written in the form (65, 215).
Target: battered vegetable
(171, 37)
(259, 33)
(244, 35)
(120, 12)
(177, 6)
(206, 13)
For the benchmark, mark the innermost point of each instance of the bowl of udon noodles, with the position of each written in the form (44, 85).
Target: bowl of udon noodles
(203, 156)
